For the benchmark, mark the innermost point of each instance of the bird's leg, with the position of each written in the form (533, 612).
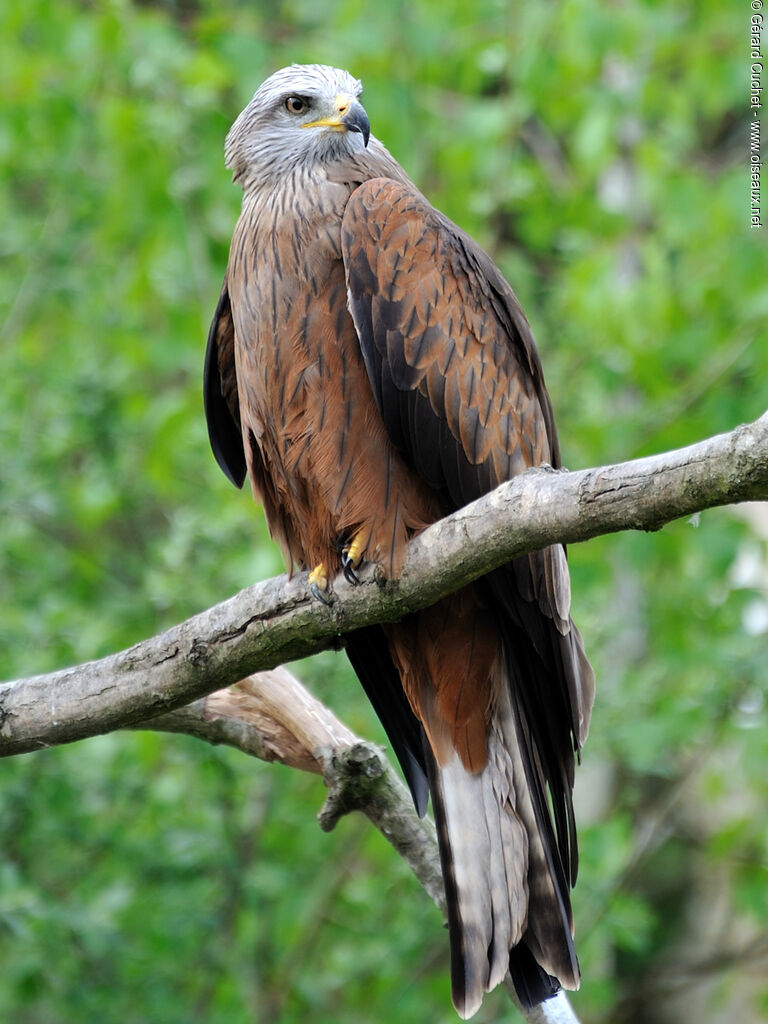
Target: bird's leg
(352, 555)
(318, 584)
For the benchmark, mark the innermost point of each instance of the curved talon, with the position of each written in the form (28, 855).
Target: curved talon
(348, 565)
(318, 584)
(352, 556)
(316, 592)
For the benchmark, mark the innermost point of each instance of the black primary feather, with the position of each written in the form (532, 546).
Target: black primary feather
(223, 428)
(368, 652)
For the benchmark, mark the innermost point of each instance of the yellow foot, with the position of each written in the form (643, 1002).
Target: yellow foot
(352, 555)
(318, 584)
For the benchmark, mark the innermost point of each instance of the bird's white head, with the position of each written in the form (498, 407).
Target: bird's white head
(303, 114)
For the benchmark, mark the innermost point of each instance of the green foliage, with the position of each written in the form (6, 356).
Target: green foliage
(599, 152)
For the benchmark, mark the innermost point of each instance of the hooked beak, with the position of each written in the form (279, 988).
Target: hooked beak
(350, 117)
(355, 119)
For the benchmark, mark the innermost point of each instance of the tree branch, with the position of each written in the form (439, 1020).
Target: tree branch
(277, 620)
(270, 716)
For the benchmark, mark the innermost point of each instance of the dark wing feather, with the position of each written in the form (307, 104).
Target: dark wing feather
(368, 651)
(445, 344)
(222, 408)
(458, 381)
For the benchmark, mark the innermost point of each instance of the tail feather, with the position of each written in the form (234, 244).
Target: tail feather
(484, 861)
(532, 983)
(494, 690)
(507, 895)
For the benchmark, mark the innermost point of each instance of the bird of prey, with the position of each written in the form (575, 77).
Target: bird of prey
(370, 370)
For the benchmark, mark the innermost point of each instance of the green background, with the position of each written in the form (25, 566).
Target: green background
(599, 152)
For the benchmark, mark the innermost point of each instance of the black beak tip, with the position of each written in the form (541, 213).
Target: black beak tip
(357, 121)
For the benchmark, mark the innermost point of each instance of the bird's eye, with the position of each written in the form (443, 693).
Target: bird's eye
(296, 104)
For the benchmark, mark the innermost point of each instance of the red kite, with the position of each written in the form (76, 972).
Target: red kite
(370, 370)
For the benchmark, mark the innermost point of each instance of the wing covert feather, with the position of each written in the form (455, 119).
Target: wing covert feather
(439, 326)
